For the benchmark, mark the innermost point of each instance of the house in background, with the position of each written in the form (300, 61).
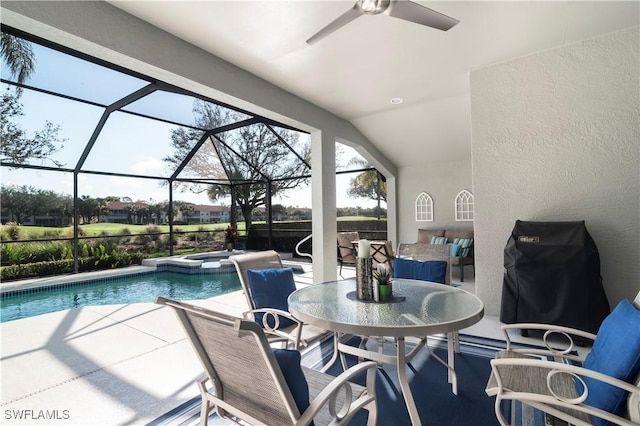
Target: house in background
(208, 214)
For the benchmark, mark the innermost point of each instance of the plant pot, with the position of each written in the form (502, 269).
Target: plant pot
(229, 246)
(384, 292)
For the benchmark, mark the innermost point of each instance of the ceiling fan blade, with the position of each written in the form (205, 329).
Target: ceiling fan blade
(414, 12)
(338, 23)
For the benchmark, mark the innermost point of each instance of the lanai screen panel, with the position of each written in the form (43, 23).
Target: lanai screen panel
(204, 165)
(70, 76)
(133, 145)
(299, 142)
(255, 152)
(185, 110)
(74, 120)
(157, 137)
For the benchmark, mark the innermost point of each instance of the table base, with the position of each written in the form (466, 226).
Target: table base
(400, 360)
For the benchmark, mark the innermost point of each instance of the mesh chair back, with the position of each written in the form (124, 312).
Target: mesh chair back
(260, 260)
(239, 362)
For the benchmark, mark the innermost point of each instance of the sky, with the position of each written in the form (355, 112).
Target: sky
(127, 143)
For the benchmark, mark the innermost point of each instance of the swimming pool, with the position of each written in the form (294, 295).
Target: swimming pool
(141, 288)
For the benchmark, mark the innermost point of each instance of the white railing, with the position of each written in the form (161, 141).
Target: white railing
(302, 241)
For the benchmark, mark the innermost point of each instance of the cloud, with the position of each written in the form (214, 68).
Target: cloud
(148, 166)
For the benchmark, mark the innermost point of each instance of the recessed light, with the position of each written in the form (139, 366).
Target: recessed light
(396, 101)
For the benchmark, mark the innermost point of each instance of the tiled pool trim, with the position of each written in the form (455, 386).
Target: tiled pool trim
(78, 283)
(180, 265)
(75, 281)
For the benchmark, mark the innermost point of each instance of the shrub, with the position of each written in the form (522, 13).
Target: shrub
(142, 239)
(125, 231)
(51, 234)
(13, 231)
(37, 269)
(153, 231)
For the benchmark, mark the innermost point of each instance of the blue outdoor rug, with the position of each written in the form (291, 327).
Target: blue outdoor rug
(436, 403)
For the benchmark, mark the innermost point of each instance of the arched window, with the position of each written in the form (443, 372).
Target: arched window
(464, 206)
(424, 208)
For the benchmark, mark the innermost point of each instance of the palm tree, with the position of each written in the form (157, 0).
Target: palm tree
(16, 145)
(18, 55)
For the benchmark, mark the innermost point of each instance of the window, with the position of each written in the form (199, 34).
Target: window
(424, 208)
(464, 206)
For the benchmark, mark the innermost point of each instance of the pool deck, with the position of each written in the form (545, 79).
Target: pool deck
(111, 365)
(108, 365)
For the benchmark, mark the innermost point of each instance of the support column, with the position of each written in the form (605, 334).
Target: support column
(392, 211)
(323, 204)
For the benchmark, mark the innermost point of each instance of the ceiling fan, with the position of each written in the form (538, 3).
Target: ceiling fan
(402, 9)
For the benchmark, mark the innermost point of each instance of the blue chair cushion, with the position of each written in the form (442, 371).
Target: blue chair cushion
(270, 288)
(455, 249)
(403, 268)
(430, 270)
(289, 362)
(616, 353)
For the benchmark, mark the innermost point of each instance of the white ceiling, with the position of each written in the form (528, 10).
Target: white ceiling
(355, 71)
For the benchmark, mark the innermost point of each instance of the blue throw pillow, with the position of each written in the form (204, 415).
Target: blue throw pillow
(289, 362)
(270, 288)
(616, 353)
(455, 250)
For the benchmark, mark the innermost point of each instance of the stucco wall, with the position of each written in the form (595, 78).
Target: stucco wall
(443, 182)
(556, 136)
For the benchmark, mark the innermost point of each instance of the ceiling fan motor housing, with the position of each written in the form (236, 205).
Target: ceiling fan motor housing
(373, 7)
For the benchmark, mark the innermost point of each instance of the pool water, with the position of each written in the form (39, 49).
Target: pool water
(137, 289)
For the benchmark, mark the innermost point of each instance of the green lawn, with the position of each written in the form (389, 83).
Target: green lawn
(97, 229)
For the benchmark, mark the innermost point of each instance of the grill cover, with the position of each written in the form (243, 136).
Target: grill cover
(552, 276)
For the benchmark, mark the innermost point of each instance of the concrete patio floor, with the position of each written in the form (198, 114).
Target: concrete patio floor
(112, 365)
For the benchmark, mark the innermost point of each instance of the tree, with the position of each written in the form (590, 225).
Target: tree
(90, 208)
(368, 184)
(23, 202)
(259, 157)
(187, 210)
(18, 55)
(15, 145)
(17, 201)
(159, 211)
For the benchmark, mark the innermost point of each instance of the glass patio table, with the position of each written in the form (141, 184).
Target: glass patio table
(417, 309)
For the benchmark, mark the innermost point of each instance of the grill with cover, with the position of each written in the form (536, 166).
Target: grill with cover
(552, 276)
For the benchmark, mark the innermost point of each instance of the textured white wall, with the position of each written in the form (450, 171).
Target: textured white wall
(442, 181)
(556, 136)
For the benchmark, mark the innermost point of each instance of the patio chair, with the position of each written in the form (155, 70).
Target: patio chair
(259, 385)
(268, 300)
(599, 389)
(346, 250)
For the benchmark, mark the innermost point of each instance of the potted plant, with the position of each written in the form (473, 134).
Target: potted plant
(230, 237)
(383, 279)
